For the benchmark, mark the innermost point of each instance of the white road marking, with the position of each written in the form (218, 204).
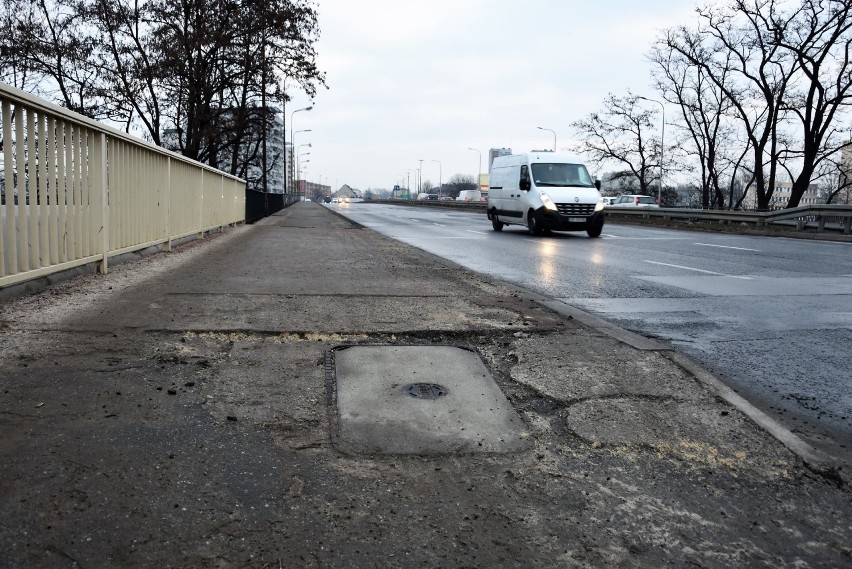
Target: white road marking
(646, 238)
(728, 247)
(696, 270)
(477, 232)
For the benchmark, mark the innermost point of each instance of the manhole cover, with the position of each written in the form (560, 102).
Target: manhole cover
(447, 403)
(425, 390)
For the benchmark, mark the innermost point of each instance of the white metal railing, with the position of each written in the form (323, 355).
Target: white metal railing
(74, 191)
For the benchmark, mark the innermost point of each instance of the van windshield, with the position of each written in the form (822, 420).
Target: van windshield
(561, 175)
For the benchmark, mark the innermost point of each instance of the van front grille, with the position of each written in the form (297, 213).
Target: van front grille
(584, 209)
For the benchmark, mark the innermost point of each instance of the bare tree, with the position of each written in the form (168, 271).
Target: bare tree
(779, 64)
(819, 37)
(836, 170)
(621, 134)
(208, 71)
(48, 39)
(704, 108)
(459, 183)
(735, 49)
(129, 88)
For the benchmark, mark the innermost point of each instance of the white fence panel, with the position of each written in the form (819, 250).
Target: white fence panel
(73, 191)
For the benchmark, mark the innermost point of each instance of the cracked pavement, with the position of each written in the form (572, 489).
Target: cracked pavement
(174, 413)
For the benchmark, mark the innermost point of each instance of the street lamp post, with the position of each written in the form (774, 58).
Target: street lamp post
(408, 186)
(554, 135)
(420, 178)
(303, 177)
(662, 144)
(291, 133)
(440, 181)
(394, 193)
(292, 136)
(294, 147)
(296, 154)
(479, 168)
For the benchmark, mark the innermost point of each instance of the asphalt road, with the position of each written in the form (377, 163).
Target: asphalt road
(771, 316)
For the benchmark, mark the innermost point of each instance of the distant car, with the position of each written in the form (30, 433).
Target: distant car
(327, 199)
(433, 197)
(635, 200)
(446, 198)
(609, 200)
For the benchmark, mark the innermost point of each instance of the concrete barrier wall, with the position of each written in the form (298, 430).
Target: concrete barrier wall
(74, 191)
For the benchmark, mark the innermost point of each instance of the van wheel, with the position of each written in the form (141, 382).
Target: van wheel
(496, 224)
(533, 223)
(595, 230)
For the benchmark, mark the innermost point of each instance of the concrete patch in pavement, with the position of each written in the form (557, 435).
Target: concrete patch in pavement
(427, 400)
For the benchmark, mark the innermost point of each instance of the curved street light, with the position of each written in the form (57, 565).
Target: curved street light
(308, 108)
(440, 181)
(408, 185)
(296, 154)
(554, 135)
(479, 168)
(295, 148)
(662, 144)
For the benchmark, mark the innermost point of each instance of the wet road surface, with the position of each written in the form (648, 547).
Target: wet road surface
(771, 316)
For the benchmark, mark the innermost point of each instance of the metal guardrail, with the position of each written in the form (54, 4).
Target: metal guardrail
(817, 217)
(76, 192)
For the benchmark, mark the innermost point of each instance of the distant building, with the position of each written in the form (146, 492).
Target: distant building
(346, 192)
(252, 146)
(275, 156)
(289, 168)
(784, 190)
(780, 195)
(844, 178)
(311, 190)
(494, 153)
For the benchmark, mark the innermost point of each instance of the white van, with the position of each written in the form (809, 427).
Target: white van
(469, 196)
(544, 191)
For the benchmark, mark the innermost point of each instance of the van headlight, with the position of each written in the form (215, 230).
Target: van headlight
(600, 205)
(547, 202)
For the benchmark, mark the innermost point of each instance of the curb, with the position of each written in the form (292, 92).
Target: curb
(815, 460)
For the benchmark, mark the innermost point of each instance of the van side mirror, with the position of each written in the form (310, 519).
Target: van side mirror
(598, 184)
(524, 183)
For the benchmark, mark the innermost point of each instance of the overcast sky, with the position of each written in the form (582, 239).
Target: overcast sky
(411, 80)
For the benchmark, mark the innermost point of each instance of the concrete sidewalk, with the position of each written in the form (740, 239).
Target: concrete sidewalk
(183, 411)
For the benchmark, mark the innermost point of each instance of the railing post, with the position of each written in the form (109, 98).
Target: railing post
(201, 208)
(9, 243)
(169, 202)
(101, 192)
